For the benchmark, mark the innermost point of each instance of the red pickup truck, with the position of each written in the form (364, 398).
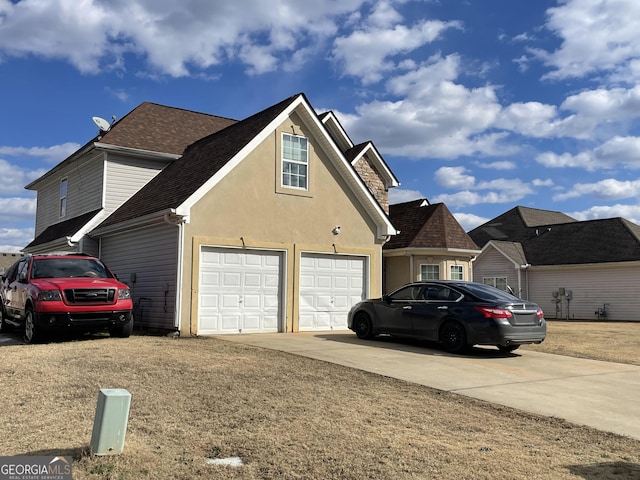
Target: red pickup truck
(62, 292)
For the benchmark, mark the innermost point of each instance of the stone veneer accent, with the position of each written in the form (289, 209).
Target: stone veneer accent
(373, 181)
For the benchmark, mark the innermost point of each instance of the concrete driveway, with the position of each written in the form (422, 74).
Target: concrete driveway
(602, 395)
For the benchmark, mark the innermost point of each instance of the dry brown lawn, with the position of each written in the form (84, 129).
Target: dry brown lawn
(289, 417)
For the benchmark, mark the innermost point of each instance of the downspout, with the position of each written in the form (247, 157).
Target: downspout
(179, 222)
(411, 269)
(526, 272)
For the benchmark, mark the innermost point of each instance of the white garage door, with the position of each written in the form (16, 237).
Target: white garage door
(240, 291)
(329, 286)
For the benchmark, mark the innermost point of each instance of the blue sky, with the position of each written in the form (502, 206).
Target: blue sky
(482, 105)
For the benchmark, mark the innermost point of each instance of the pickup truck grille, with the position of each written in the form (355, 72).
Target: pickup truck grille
(90, 295)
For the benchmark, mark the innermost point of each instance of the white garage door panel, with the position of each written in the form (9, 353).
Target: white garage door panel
(240, 291)
(329, 286)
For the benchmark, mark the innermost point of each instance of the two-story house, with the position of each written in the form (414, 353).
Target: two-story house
(270, 224)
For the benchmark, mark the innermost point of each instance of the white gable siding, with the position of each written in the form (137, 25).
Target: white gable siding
(493, 264)
(84, 193)
(591, 287)
(127, 175)
(152, 255)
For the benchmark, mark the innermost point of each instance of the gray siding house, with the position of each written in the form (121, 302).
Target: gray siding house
(575, 270)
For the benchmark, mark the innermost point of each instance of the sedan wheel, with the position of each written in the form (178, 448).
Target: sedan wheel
(453, 337)
(363, 326)
(29, 327)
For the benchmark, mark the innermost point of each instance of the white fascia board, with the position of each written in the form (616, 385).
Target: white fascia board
(136, 152)
(90, 225)
(390, 179)
(491, 244)
(332, 124)
(150, 219)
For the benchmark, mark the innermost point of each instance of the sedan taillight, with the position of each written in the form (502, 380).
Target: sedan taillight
(540, 313)
(494, 312)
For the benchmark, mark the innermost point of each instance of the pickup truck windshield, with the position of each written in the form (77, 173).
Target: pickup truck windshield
(68, 268)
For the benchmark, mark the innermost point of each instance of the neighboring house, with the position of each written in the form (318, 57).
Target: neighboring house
(573, 269)
(430, 245)
(270, 224)
(8, 259)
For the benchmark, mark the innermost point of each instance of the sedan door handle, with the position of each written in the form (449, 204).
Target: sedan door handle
(408, 307)
(444, 307)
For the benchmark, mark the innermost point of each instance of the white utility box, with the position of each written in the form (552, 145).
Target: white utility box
(110, 424)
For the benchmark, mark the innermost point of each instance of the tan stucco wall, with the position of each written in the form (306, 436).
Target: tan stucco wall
(249, 208)
(399, 271)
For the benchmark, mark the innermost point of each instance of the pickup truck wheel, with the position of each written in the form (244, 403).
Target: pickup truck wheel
(122, 331)
(30, 330)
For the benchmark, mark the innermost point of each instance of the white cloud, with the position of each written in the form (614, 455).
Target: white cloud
(500, 190)
(453, 177)
(608, 189)
(435, 118)
(617, 151)
(499, 165)
(53, 154)
(597, 36)
(17, 209)
(173, 38)
(14, 178)
(367, 52)
(13, 240)
(399, 195)
(539, 182)
(470, 221)
(532, 119)
(629, 212)
(553, 160)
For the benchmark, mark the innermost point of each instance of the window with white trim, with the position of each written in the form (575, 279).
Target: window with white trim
(498, 282)
(63, 197)
(295, 161)
(457, 272)
(429, 272)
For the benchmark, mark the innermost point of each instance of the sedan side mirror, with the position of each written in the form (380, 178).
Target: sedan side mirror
(386, 299)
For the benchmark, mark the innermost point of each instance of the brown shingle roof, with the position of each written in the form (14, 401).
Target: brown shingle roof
(164, 129)
(201, 160)
(428, 226)
(152, 127)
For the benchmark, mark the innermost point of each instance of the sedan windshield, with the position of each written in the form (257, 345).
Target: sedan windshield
(68, 267)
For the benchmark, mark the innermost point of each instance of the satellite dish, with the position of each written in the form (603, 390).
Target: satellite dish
(102, 124)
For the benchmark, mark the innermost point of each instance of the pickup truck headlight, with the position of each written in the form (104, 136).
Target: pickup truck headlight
(49, 296)
(124, 294)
